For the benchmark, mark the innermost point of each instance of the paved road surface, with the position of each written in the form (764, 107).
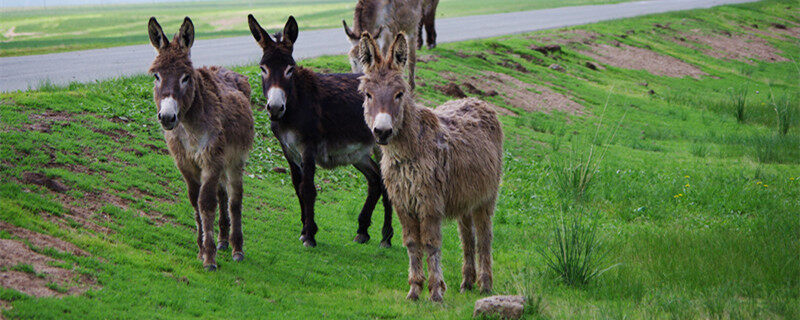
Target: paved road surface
(22, 73)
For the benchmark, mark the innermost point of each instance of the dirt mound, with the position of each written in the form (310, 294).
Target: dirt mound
(528, 97)
(34, 274)
(451, 89)
(42, 240)
(628, 57)
(741, 47)
(43, 122)
(42, 180)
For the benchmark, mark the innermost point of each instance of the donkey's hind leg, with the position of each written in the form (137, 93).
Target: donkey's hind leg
(370, 170)
(483, 225)
(224, 221)
(234, 209)
(467, 233)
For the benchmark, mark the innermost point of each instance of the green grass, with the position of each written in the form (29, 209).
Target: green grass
(699, 210)
(59, 29)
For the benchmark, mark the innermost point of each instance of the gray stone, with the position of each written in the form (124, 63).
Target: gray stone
(506, 307)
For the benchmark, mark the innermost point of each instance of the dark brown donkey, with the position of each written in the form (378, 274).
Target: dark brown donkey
(428, 21)
(208, 126)
(318, 119)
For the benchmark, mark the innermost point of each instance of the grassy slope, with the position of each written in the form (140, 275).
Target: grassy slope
(728, 248)
(66, 29)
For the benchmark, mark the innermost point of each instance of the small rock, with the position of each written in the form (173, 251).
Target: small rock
(506, 307)
(591, 65)
(279, 170)
(779, 26)
(471, 89)
(754, 26)
(491, 93)
(557, 67)
(42, 180)
(651, 91)
(452, 89)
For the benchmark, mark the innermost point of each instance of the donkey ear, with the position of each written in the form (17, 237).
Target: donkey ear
(185, 36)
(157, 37)
(259, 33)
(399, 51)
(349, 32)
(290, 30)
(368, 52)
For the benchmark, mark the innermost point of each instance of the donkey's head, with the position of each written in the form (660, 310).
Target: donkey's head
(175, 84)
(353, 35)
(277, 64)
(386, 92)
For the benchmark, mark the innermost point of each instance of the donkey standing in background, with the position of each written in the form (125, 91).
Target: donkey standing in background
(428, 21)
(208, 126)
(318, 119)
(384, 19)
(437, 164)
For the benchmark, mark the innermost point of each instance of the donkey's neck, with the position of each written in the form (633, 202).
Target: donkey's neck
(198, 118)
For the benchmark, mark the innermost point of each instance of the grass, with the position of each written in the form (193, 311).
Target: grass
(59, 29)
(711, 236)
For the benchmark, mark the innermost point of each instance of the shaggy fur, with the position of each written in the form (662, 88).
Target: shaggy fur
(437, 164)
(318, 119)
(384, 19)
(209, 139)
(428, 21)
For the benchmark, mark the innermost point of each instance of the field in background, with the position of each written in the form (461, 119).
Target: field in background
(697, 194)
(58, 29)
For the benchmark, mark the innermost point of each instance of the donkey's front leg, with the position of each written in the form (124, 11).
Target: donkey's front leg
(297, 177)
(208, 204)
(309, 195)
(412, 241)
(431, 232)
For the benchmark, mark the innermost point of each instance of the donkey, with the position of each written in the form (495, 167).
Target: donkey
(312, 116)
(379, 16)
(208, 127)
(437, 164)
(428, 21)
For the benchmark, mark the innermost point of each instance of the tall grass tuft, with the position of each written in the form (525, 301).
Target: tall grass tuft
(575, 253)
(786, 111)
(739, 101)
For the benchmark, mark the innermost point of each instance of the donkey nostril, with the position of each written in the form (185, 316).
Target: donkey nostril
(159, 116)
(382, 133)
(173, 118)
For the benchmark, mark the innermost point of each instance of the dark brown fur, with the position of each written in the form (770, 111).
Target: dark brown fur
(429, 22)
(209, 138)
(437, 164)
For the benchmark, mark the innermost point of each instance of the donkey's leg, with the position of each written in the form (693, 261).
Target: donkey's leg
(224, 222)
(297, 177)
(387, 231)
(431, 230)
(465, 230)
(413, 242)
(208, 206)
(430, 25)
(309, 195)
(193, 192)
(419, 32)
(235, 194)
(369, 169)
(483, 228)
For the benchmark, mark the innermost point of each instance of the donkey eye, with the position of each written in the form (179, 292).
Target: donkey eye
(289, 71)
(398, 96)
(185, 79)
(369, 96)
(157, 77)
(264, 71)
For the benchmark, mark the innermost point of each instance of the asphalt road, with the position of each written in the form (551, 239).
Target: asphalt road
(27, 72)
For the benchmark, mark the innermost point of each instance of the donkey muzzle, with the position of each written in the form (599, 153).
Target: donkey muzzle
(276, 102)
(168, 113)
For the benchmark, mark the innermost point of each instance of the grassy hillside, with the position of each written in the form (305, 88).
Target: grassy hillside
(698, 203)
(58, 29)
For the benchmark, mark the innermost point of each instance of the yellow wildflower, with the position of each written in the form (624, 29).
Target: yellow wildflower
(758, 182)
(687, 185)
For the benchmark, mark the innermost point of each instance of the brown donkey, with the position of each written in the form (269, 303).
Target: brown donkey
(208, 126)
(384, 19)
(429, 22)
(437, 164)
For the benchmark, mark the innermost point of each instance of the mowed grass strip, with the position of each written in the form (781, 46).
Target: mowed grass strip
(699, 210)
(37, 30)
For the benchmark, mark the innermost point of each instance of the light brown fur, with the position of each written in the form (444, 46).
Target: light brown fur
(384, 19)
(212, 137)
(436, 164)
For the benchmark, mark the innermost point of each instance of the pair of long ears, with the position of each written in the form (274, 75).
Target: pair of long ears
(290, 31)
(371, 57)
(184, 37)
(353, 36)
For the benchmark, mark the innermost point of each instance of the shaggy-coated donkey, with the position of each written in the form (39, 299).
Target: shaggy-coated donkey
(208, 126)
(318, 120)
(429, 22)
(437, 164)
(384, 19)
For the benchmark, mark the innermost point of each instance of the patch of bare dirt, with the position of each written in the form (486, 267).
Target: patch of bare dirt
(11, 34)
(522, 95)
(43, 122)
(42, 180)
(741, 47)
(565, 37)
(42, 240)
(454, 90)
(628, 57)
(793, 32)
(40, 284)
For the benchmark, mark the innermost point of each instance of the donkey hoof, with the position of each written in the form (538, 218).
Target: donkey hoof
(302, 238)
(310, 243)
(436, 296)
(361, 238)
(466, 286)
(431, 46)
(386, 244)
(211, 267)
(222, 246)
(238, 256)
